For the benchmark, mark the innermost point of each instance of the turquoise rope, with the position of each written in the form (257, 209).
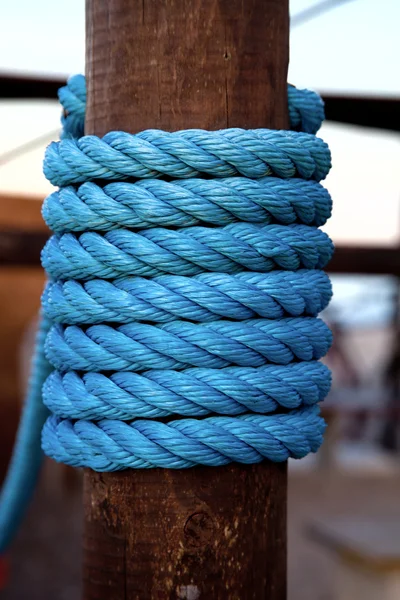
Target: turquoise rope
(183, 203)
(189, 153)
(109, 445)
(195, 392)
(306, 110)
(193, 296)
(73, 100)
(181, 344)
(204, 297)
(188, 252)
(26, 461)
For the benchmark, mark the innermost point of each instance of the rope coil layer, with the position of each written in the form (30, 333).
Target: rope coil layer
(188, 153)
(181, 344)
(191, 251)
(306, 109)
(109, 445)
(126, 395)
(187, 202)
(203, 297)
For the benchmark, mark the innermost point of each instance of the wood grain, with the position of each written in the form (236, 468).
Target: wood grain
(175, 64)
(201, 533)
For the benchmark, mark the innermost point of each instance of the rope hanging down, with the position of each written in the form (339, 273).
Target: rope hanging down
(191, 296)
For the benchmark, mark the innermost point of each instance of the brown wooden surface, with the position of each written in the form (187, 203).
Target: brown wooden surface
(22, 235)
(372, 260)
(175, 64)
(21, 213)
(21, 248)
(202, 533)
(23, 232)
(20, 290)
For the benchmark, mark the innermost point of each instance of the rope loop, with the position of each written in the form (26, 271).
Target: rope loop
(186, 252)
(182, 344)
(112, 445)
(184, 203)
(189, 153)
(201, 298)
(194, 392)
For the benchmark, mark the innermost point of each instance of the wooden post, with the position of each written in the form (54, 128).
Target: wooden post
(201, 533)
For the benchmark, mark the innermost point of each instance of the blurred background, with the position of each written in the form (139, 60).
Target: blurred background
(343, 502)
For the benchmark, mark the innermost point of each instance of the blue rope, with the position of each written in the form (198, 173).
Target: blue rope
(191, 251)
(195, 392)
(204, 297)
(26, 461)
(73, 99)
(189, 153)
(109, 445)
(183, 203)
(182, 344)
(194, 297)
(306, 110)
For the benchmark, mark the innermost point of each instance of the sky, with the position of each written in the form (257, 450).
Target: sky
(353, 48)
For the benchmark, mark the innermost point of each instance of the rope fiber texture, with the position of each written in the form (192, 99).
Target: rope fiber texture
(184, 285)
(204, 297)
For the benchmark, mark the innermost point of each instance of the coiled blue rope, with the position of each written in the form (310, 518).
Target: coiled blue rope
(194, 297)
(187, 252)
(189, 153)
(204, 297)
(109, 445)
(183, 203)
(182, 344)
(196, 392)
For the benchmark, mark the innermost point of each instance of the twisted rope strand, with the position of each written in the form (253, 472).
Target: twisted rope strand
(190, 393)
(182, 154)
(306, 110)
(204, 297)
(187, 252)
(180, 344)
(110, 445)
(183, 203)
(73, 100)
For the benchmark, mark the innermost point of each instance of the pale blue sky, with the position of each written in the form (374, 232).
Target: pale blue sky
(354, 47)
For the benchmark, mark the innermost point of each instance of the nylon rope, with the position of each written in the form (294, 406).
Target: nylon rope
(180, 317)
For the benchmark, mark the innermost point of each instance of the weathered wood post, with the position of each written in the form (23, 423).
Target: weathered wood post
(202, 533)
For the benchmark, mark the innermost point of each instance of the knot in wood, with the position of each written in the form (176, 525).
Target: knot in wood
(198, 529)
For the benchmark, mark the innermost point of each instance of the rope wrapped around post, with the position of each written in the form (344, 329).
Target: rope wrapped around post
(191, 279)
(184, 285)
